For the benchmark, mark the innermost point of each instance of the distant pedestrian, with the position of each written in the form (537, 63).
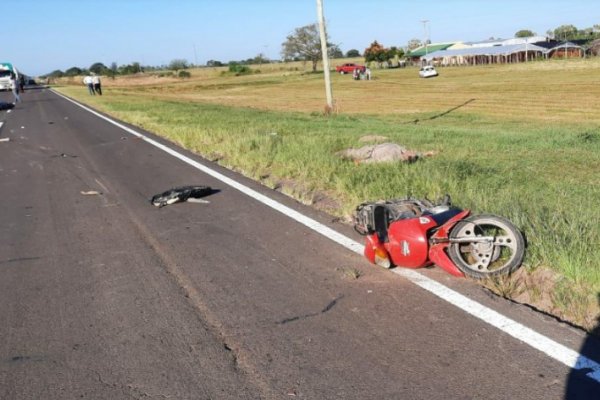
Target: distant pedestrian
(22, 83)
(356, 74)
(97, 84)
(87, 80)
(15, 88)
(368, 73)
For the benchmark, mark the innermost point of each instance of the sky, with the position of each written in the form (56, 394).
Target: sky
(46, 35)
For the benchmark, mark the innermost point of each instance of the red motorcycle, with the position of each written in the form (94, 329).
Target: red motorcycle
(415, 233)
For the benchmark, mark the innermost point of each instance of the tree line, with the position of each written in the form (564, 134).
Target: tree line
(304, 44)
(113, 70)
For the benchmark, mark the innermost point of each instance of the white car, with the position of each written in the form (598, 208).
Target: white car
(427, 71)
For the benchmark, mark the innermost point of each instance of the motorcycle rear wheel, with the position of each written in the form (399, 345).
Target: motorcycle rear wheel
(481, 259)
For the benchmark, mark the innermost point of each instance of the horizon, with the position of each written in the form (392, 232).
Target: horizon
(155, 32)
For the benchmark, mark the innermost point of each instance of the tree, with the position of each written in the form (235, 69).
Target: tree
(98, 68)
(132, 68)
(57, 73)
(353, 53)
(565, 32)
(413, 44)
(113, 69)
(214, 63)
(259, 59)
(304, 44)
(570, 32)
(595, 47)
(335, 52)
(523, 33)
(178, 64)
(376, 52)
(396, 52)
(73, 71)
(586, 33)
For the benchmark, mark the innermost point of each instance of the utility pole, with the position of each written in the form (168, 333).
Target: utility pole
(328, 91)
(425, 21)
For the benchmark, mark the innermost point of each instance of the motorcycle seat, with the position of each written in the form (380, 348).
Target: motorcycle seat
(442, 217)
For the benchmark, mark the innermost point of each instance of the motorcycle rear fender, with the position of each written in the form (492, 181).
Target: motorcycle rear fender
(439, 256)
(375, 252)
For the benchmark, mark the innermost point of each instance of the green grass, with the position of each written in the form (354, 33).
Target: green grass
(537, 165)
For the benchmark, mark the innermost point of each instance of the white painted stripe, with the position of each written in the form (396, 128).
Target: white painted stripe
(553, 349)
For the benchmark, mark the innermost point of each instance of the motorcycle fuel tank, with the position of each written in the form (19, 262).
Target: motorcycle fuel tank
(407, 241)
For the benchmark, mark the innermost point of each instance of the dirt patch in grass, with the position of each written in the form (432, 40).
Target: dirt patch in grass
(544, 290)
(319, 199)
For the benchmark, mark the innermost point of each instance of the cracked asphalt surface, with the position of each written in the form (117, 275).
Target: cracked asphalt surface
(104, 296)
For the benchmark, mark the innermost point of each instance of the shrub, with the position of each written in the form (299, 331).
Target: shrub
(239, 69)
(178, 64)
(184, 74)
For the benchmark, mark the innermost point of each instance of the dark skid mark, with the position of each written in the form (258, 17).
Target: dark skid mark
(17, 359)
(11, 260)
(330, 305)
(285, 321)
(323, 311)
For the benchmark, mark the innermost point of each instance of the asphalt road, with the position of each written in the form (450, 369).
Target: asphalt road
(104, 296)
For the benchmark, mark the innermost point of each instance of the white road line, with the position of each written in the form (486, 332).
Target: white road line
(555, 350)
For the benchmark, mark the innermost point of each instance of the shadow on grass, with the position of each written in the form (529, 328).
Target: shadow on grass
(416, 121)
(584, 379)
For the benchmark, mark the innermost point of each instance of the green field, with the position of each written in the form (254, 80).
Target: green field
(520, 140)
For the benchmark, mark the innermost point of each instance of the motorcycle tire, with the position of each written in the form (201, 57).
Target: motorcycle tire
(480, 260)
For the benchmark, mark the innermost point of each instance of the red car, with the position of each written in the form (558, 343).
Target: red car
(349, 68)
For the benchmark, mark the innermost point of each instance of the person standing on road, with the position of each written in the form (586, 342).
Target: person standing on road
(15, 88)
(89, 83)
(22, 83)
(97, 84)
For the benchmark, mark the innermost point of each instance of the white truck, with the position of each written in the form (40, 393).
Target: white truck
(6, 70)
